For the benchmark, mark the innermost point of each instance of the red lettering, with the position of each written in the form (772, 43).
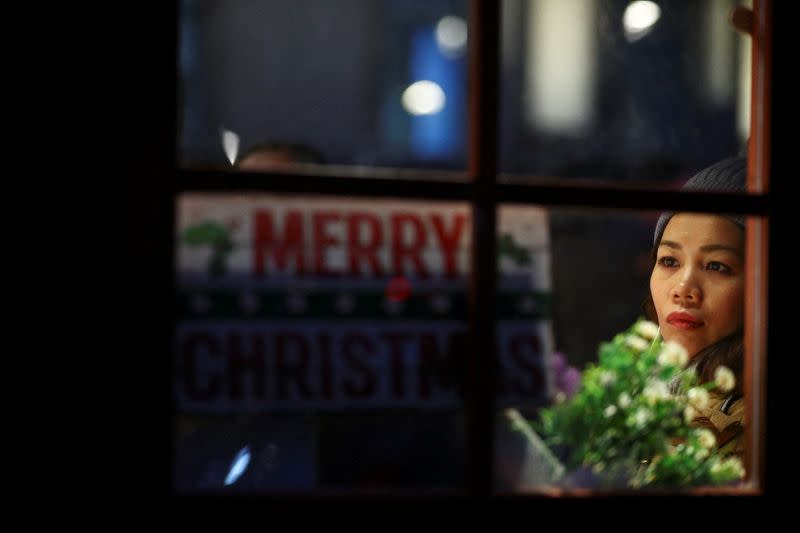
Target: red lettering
(396, 341)
(265, 241)
(326, 368)
(364, 250)
(446, 368)
(353, 345)
(449, 240)
(307, 368)
(240, 364)
(402, 251)
(323, 240)
(286, 371)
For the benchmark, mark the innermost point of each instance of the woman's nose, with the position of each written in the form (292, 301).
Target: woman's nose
(686, 292)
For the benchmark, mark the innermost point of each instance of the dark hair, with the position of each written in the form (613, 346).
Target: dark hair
(728, 352)
(298, 152)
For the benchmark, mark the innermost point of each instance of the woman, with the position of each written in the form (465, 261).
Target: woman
(697, 296)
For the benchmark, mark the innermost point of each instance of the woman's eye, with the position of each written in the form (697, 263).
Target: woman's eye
(668, 261)
(719, 267)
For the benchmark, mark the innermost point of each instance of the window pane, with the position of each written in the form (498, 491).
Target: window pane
(620, 91)
(352, 82)
(319, 343)
(587, 275)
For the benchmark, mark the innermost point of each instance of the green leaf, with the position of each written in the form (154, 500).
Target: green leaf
(589, 437)
(207, 232)
(507, 247)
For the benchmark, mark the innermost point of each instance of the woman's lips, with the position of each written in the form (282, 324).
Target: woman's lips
(683, 321)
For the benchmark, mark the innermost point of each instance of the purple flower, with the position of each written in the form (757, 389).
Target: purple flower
(570, 381)
(566, 378)
(558, 363)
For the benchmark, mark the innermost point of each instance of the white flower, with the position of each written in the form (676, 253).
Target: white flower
(608, 377)
(640, 418)
(701, 454)
(648, 330)
(698, 397)
(735, 465)
(724, 378)
(610, 411)
(706, 438)
(673, 354)
(624, 400)
(654, 391)
(637, 343)
(560, 397)
(731, 465)
(689, 414)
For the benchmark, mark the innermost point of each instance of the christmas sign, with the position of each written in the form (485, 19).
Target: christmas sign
(296, 303)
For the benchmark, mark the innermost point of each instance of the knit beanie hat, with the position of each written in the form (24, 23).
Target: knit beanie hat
(728, 175)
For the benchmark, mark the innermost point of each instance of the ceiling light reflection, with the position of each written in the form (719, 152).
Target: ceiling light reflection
(423, 98)
(451, 35)
(639, 18)
(230, 144)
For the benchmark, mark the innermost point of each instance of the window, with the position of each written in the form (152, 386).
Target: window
(169, 185)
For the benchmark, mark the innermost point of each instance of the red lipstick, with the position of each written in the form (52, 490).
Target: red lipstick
(683, 320)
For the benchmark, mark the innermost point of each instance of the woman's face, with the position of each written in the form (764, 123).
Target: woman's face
(697, 282)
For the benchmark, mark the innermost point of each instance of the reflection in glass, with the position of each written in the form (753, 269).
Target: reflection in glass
(590, 89)
(319, 344)
(634, 392)
(620, 90)
(355, 82)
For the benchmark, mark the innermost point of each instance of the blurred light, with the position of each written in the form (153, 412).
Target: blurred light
(238, 466)
(423, 98)
(560, 67)
(437, 134)
(451, 35)
(720, 53)
(639, 18)
(230, 143)
(745, 74)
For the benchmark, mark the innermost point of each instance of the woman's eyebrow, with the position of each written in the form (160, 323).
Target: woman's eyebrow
(722, 247)
(706, 247)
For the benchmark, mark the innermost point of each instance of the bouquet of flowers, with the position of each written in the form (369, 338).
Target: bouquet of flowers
(624, 428)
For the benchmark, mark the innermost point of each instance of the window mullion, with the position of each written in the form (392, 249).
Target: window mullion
(481, 365)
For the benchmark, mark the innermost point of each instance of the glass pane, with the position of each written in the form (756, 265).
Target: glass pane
(319, 343)
(620, 91)
(619, 415)
(352, 82)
